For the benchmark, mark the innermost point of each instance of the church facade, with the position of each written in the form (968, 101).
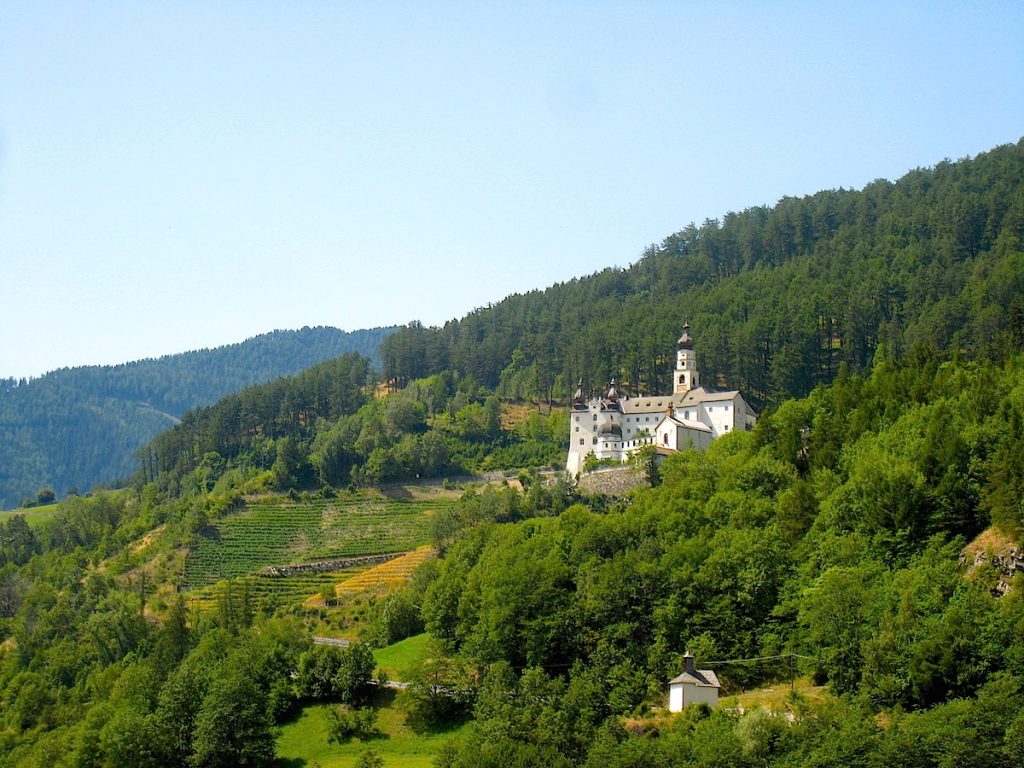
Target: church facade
(614, 427)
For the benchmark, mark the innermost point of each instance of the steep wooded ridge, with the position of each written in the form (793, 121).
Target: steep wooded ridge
(76, 427)
(779, 298)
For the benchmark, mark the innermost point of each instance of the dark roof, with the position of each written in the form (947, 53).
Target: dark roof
(703, 678)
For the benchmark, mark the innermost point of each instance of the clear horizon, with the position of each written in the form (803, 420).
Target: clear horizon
(189, 175)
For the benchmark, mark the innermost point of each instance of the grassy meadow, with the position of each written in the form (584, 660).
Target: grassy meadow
(34, 516)
(302, 742)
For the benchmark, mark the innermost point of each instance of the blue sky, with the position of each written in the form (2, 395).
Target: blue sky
(176, 175)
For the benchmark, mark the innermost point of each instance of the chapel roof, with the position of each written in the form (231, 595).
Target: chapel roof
(703, 678)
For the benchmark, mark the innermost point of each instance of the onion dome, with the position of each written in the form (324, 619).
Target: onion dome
(613, 394)
(685, 341)
(578, 397)
(609, 429)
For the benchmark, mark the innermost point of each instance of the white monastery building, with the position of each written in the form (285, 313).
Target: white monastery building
(694, 686)
(614, 428)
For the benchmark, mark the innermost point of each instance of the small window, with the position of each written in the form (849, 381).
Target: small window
(595, 441)
(577, 429)
(581, 441)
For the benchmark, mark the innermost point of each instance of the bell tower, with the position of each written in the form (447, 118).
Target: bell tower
(686, 376)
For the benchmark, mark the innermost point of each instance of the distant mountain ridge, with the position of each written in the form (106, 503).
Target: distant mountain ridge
(75, 427)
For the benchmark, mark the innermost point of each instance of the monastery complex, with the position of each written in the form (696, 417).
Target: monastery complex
(614, 427)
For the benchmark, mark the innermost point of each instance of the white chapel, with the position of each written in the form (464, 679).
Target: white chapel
(614, 427)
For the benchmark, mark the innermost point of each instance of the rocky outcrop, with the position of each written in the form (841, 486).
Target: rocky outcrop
(1006, 565)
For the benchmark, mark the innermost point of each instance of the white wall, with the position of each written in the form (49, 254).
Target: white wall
(683, 694)
(675, 698)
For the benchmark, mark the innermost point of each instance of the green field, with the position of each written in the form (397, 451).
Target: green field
(34, 516)
(397, 661)
(281, 532)
(303, 741)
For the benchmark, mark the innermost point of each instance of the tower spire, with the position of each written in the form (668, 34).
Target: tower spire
(686, 376)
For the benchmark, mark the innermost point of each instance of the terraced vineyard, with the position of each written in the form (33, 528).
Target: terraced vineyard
(384, 576)
(272, 591)
(280, 532)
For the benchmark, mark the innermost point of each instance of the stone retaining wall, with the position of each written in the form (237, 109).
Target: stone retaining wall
(616, 481)
(325, 566)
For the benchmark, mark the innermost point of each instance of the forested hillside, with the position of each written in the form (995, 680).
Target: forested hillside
(75, 427)
(834, 531)
(782, 299)
(778, 297)
(321, 428)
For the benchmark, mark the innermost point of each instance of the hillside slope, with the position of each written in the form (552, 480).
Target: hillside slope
(76, 427)
(779, 297)
(781, 301)
(830, 539)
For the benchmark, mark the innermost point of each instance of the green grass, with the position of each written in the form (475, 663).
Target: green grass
(34, 516)
(281, 532)
(303, 741)
(398, 660)
(775, 697)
